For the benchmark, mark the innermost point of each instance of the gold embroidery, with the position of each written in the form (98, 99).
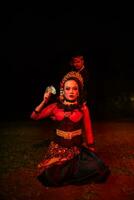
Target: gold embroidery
(68, 134)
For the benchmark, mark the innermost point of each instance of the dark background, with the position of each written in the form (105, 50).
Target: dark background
(36, 41)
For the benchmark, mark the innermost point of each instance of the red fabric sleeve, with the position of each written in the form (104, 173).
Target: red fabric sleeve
(87, 125)
(46, 112)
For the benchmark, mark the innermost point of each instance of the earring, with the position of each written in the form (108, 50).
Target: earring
(61, 94)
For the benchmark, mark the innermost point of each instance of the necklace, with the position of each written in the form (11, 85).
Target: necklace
(68, 107)
(70, 102)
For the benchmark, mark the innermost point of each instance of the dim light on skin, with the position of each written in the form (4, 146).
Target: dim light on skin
(78, 62)
(71, 90)
(48, 92)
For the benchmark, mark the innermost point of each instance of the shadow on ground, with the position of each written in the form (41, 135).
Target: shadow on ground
(23, 144)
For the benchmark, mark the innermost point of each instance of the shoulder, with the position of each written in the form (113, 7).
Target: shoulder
(84, 107)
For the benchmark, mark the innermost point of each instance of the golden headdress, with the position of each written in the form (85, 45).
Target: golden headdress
(71, 75)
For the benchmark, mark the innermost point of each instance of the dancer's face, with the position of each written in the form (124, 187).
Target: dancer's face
(71, 90)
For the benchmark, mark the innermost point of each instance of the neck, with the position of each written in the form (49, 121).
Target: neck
(81, 68)
(69, 102)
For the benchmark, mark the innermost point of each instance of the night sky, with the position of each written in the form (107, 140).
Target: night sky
(38, 39)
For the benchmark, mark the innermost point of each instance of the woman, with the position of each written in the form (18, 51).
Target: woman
(67, 160)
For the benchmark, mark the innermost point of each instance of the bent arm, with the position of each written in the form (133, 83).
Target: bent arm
(39, 112)
(46, 112)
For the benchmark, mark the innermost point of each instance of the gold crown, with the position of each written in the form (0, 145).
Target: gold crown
(72, 74)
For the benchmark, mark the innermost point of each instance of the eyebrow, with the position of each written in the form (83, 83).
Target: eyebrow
(72, 87)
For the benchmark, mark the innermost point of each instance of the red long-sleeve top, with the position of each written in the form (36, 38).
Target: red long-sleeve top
(57, 113)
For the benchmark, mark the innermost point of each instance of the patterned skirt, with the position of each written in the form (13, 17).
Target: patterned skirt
(63, 166)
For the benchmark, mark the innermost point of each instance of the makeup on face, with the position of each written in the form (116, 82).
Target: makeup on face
(71, 90)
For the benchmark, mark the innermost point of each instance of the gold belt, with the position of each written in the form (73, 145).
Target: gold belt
(68, 134)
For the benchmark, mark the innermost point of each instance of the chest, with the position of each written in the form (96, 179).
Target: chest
(60, 114)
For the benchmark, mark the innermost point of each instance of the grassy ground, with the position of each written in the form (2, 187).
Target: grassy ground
(22, 146)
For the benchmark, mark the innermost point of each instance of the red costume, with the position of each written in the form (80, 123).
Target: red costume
(67, 160)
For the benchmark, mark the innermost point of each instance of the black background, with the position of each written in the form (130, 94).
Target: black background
(36, 41)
